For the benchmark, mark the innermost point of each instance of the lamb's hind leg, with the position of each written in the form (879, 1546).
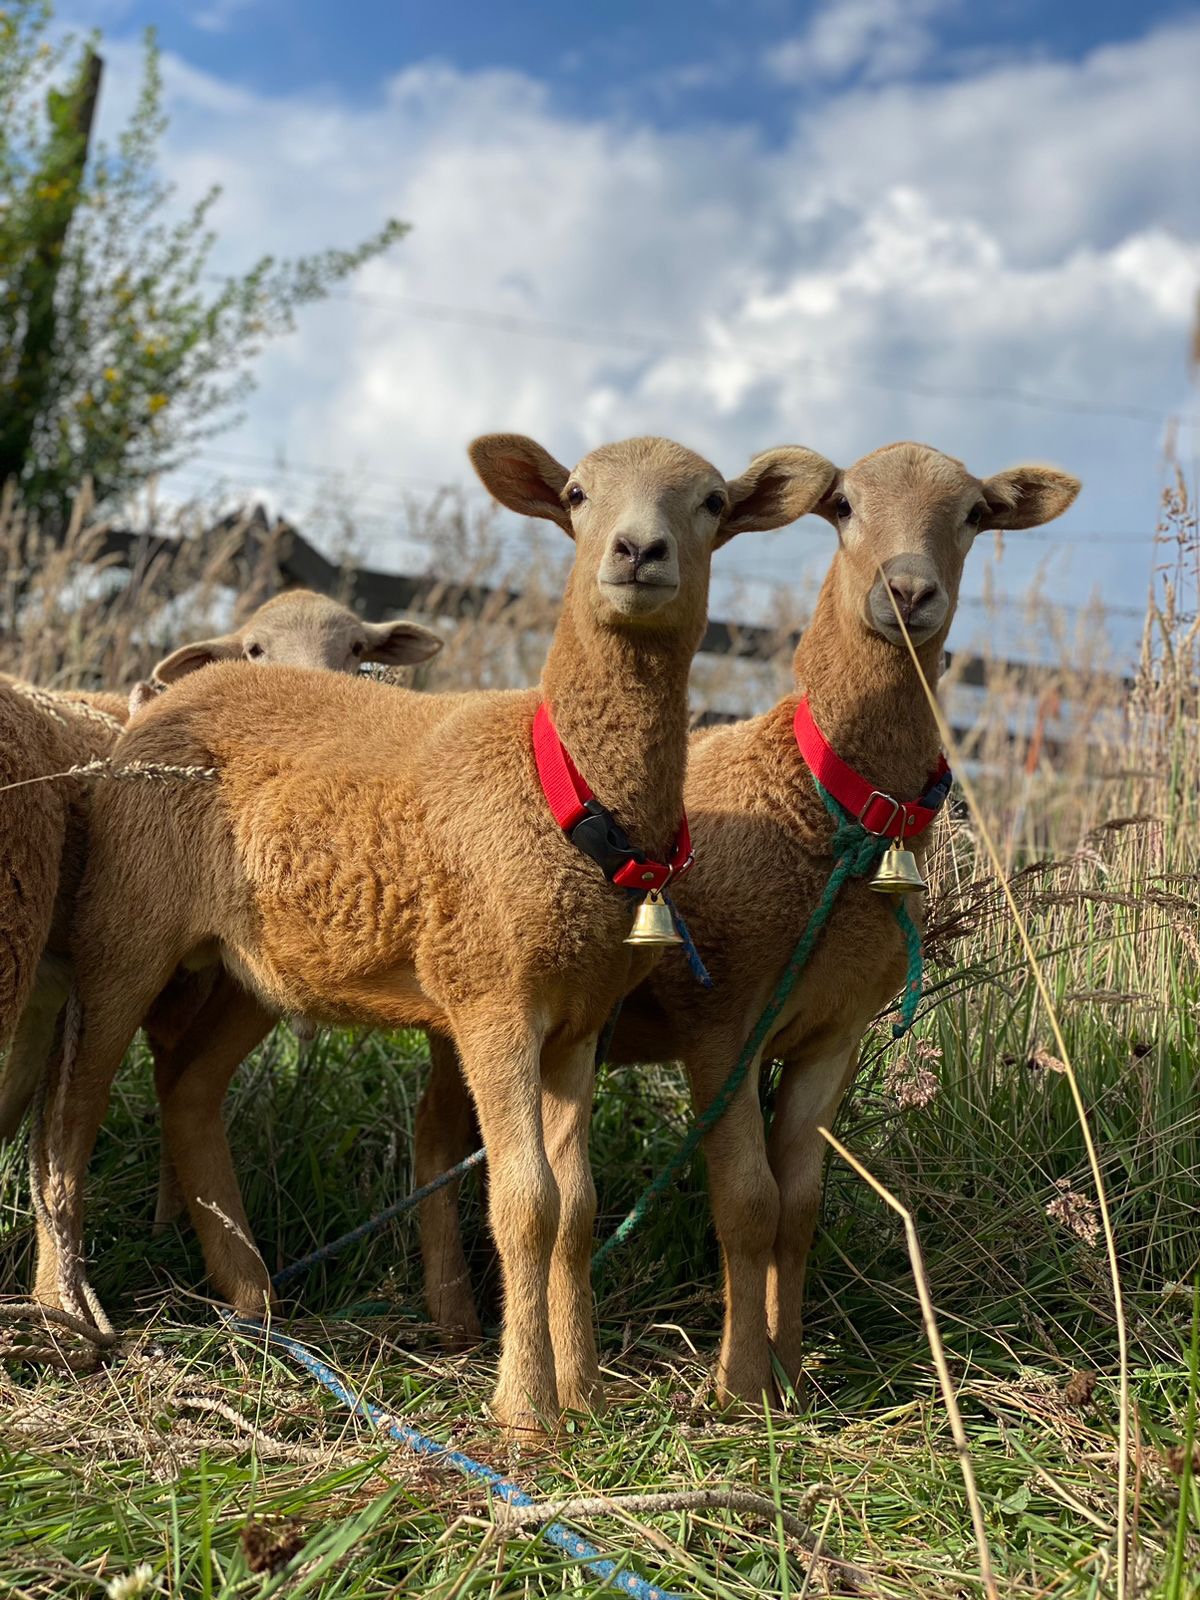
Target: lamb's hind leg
(446, 1133)
(501, 1056)
(808, 1099)
(166, 1027)
(745, 1205)
(32, 1043)
(123, 974)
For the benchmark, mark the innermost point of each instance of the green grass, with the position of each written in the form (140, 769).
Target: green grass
(130, 1464)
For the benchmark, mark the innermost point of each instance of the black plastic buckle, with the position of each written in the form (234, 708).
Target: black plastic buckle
(934, 797)
(602, 837)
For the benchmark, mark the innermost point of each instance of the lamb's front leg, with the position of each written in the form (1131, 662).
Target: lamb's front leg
(808, 1099)
(114, 989)
(445, 1134)
(193, 1011)
(568, 1082)
(500, 1053)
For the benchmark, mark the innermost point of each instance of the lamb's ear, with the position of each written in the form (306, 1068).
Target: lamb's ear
(191, 657)
(400, 644)
(777, 487)
(1025, 497)
(144, 693)
(522, 476)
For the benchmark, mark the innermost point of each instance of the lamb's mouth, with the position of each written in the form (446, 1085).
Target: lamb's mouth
(637, 593)
(639, 580)
(918, 632)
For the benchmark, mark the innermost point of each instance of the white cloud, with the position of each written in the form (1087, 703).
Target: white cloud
(217, 16)
(1049, 155)
(879, 38)
(898, 267)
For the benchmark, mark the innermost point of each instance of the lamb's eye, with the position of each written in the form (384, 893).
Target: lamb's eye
(715, 503)
(357, 648)
(575, 495)
(841, 507)
(975, 516)
(254, 651)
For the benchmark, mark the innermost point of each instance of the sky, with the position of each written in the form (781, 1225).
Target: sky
(834, 224)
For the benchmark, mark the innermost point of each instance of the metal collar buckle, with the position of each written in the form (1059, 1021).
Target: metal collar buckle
(897, 810)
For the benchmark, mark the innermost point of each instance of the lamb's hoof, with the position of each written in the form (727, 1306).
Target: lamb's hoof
(255, 1303)
(742, 1392)
(457, 1323)
(584, 1400)
(518, 1420)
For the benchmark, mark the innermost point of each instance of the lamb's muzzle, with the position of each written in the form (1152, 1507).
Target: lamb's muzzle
(908, 597)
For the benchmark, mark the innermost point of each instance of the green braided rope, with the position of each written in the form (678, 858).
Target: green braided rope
(856, 852)
(913, 976)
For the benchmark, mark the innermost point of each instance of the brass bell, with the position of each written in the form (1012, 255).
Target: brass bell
(898, 872)
(654, 923)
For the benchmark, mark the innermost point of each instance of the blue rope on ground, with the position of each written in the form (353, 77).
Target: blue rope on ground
(326, 1252)
(557, 1533)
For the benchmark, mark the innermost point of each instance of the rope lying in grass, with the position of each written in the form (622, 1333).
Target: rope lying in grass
(52, 1351)
(850, 1577)
(267, 1444)
(579, 1548)
(326, 1252)
(602, 1505)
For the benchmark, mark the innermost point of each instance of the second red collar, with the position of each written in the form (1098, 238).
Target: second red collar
(879, 813)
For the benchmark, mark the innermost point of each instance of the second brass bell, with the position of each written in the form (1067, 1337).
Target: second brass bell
(654, 923)
(898, 872)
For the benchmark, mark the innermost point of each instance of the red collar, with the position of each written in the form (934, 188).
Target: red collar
(590, 827)
(878, 813)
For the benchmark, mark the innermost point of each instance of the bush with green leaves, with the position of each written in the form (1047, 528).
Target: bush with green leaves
(119, 348)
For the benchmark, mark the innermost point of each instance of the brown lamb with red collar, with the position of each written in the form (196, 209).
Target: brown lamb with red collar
(376, 857)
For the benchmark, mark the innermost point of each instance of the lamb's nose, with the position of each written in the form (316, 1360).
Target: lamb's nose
(638, 554)
(910, 594)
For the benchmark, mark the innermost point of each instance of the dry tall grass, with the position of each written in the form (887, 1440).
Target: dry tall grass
(1090, 787)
